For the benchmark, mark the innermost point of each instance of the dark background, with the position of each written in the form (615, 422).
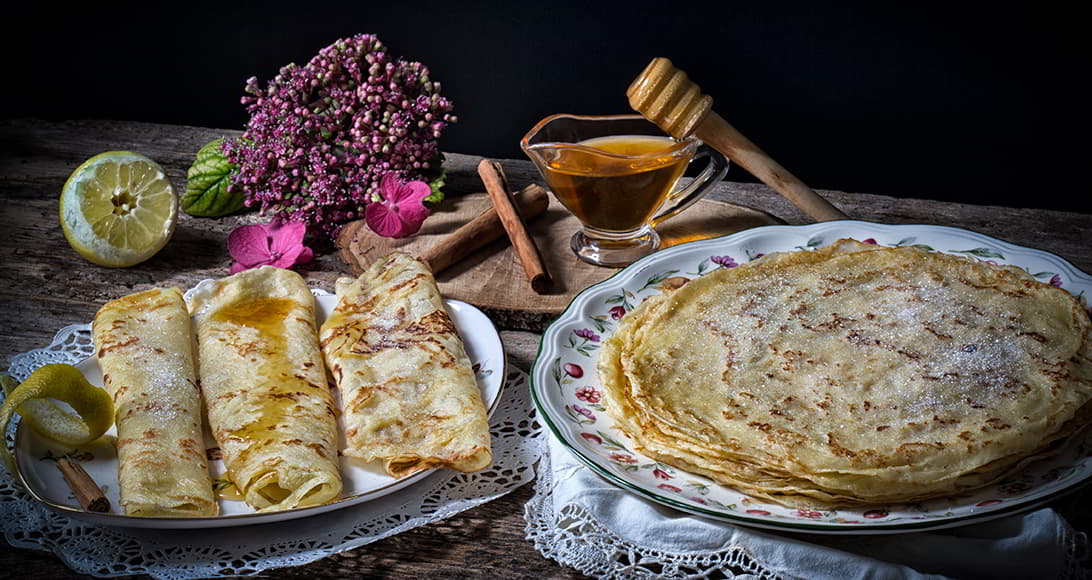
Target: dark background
(983, 104)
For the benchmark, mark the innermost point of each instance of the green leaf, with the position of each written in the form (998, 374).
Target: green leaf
(207, 184)
(602, 323)
(981, 253)
(609, 441)
(435, 177)
(702, 267)
(658, 278)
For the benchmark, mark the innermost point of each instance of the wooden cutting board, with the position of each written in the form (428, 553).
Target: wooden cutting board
(492, 277)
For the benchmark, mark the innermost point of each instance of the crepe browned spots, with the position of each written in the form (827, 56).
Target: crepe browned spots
(265, 388)
(408, 392)
(144, 347)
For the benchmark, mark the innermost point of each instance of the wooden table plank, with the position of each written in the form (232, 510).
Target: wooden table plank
(46, 286)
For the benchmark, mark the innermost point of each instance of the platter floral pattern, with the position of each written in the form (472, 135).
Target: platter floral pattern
(568, 396)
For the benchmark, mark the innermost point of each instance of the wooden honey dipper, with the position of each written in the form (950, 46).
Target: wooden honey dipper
(664, 95)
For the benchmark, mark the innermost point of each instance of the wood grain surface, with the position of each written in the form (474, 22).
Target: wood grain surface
(44, 285)
(492, 277)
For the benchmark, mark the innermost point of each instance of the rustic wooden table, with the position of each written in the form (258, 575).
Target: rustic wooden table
(46, 286)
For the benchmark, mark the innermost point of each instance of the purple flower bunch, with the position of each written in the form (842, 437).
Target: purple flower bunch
(322, 136)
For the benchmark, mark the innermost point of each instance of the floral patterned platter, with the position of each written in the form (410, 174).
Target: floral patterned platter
(567, 394)
(361, 481)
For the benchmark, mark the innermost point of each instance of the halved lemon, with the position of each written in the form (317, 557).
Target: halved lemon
(118, 209)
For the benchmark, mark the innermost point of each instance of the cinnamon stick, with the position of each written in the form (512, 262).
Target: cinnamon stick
(87, 491)
(496, 185)
(485, 228)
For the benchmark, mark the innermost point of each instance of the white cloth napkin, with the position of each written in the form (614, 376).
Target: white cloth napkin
(583, 521)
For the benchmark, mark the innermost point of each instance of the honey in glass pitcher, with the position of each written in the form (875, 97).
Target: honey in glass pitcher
(616, 174)
(616, 183)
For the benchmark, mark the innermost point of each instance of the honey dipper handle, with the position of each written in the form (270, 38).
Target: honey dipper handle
(720, 135)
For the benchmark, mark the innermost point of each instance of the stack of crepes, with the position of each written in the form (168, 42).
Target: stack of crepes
(852, 375)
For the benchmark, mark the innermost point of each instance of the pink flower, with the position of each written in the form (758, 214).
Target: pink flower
(1013, 488)
(871, 241)
(875, 514)
(401, 211)
(588, 395)
(1056, 281)
(759, 512)
(617, 313)
(321, 136)
(593, 438)
(587, 334)
(724, 261)
(574, 370)
(584, 412)
(661, 474)
(669, 487)
(277, 244)
(623, 458)
(810, 514)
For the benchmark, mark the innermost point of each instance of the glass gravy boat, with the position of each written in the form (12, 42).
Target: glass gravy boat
(617, 174)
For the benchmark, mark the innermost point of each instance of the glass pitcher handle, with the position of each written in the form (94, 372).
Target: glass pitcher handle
(714, 171)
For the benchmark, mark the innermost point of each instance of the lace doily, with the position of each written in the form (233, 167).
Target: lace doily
(574, 537)
(518, 443)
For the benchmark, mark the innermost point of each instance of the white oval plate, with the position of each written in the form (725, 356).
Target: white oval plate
(362, 481)
(564, 385)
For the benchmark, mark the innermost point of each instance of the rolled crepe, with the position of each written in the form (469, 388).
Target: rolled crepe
(408, 393)
(264, 385)
(145, 351)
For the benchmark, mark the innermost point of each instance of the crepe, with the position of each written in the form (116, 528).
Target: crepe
(408, 392)
(264, 385)
(145, 350)
(852, 374)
